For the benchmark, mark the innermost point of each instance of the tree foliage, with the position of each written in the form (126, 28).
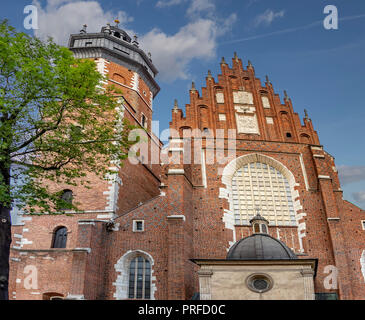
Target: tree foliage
(57, 121)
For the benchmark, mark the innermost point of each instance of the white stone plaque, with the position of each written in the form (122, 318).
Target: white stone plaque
(265, 102)
(242, 97)
(220, 97)
(247, 123)
(269, 120)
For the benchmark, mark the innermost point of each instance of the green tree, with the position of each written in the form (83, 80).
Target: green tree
(57, 123)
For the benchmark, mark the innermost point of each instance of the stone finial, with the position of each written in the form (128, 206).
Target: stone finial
(83, 30)
(223, 61)
(135, 41)
(107, 28)
(268, 80)
(176, 107)
(235, 56)
(210, 75)
(149, 56)
(306, 114)
(193, 86)
(250, 64)
(286, 96)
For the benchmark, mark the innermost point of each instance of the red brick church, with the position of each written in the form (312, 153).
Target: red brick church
(264, 220)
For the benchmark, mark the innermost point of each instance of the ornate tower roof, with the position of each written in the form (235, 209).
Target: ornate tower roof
(114, 44)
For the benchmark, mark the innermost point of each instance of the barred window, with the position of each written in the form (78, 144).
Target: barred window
(259, 185)
(139, 279)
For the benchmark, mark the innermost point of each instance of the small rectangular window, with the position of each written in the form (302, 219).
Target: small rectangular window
(363, 224)
(138, 225)
(88, 44)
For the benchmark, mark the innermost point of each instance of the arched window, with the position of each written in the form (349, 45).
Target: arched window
(66, 199)
(259, 185)
(263, 228)
(139, 278)
(184, 132)
(60, 238)
(304, 138)
(260, 228)
(53, 296)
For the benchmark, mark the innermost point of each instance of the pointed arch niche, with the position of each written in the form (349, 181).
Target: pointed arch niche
(258, 180)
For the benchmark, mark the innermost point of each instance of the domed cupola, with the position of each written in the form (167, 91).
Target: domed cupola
(260, 245)
(259, 224)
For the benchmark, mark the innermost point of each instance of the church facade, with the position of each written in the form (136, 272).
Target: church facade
(187, 226)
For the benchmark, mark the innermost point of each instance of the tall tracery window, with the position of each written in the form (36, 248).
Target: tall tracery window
(139, 278)
(259, 185)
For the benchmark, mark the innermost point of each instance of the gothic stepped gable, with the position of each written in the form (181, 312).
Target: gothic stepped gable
(239, 100)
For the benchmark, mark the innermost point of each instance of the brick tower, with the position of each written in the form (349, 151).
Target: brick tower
(131, 70)
(140, 237)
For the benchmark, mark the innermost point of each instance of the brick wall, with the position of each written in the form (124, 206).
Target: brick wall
(189, 216)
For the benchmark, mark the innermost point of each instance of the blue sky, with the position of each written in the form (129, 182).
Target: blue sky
(322, 70)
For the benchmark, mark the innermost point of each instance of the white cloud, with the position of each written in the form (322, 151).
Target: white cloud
(172, 53)
(251, 2)
(168, 3)
(349, 174)
(359, 196)
(60, 18)
(268, 17)
(198, 7)
(227, 24)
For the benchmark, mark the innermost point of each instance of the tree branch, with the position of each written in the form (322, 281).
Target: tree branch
(43, 131)
(51, 168)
